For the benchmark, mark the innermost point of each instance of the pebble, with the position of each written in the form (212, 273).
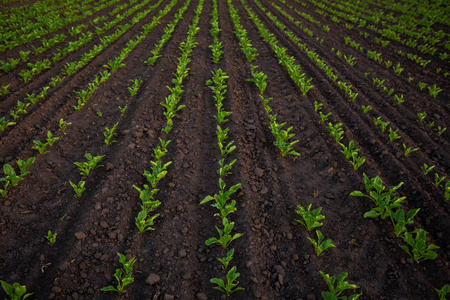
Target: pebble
(289, 236)
(104, 224)
(109, 166)
(152, 279)
(138, 134)
(182, 253)
(264, 191)
(56, 289)
(201, 296)
(259, 172)
(80, 235)
(168, 297)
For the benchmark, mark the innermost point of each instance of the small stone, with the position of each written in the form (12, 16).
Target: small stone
(187, 276)
(42, 257)
(97, 255)
(289, 236)
(56, 289)
(132, 146)
(83, 266)
(138, 134)
(264, 191)
(182, 253)
(109, 166)
(152, 279)
(201, 296)
(80, 235)
(280, 279)
(104, 224)
(168, 297)
(259, 172)
(295, 257)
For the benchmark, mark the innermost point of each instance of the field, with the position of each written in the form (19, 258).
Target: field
(179, 132)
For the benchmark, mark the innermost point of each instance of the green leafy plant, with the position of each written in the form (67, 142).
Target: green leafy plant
(421, 116)
(123, 275)
(51, 139)
(226, 260)
(135, 87)
(317, 106)
(225, 237)
(222, 200)
(434, 90)
(146, 196)
(231, 286)
(24, 165)
(158, 172)
(51, 237)
(78, 188)
(122, 110)
(349, 152)
(15, 291)
(63, 125)
(426, 169)
(399, 98)
(409, 150)
(5, 123)
(447, 190)
(422, 85)
(310, 217)
(143, 223)
(366, 108)
(337, 285)
(321, 245)
(420, 251)
(393, 134)
(399, 220)
(38, 145)
(161, 150)
(224, 169)
(109, 134)
(438, 180)
(11, 175)
(443, 292)
(259, 79)
(386, 201)
(441, 130)
(357, 161)
(86, 167)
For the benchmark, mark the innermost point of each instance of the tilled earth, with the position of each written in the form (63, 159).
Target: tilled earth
(274, 257)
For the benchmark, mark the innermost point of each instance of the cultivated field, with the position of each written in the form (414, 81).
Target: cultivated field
(213, 144)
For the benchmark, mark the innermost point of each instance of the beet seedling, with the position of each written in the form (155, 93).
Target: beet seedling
(135, 87)
(337, 285)
(441, 130)
(385, 201)
(122, 110)
(24, 165)
(409, 150)
(143, 223)
(78, 188)
(443, 292)
(15, 291)
(146, 196)
(5, 123)
(420, 251)
(161, 150)
(357, 161)
(447, 190)
(421, 116)
(222, 199)
(393, 134)
(91, 164)
(123, 276)
(426, 169)
(226, 260)
(320, 246)
(400, 221)
(11, 175)
(309, 218)
(437, 180)
(349, 152)
(259, 79)
(231, 285)
(224, 169)
(63, 125)
(225, 237)
(109, 134)
(51, 237)
(366, 108)
(158, 172)
(317, 106)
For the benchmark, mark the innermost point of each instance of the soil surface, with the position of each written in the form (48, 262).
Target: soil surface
(274, 257)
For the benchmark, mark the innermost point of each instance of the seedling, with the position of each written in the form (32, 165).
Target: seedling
(324, 117)
(393, 134)
(431, 124)
(320, 246)
(158, 172)
(78, 188)
(309, 218)
(225, 237)
(99, 113)
(51, 139)
(5, 123)
(317, 106)
(231, 285)
(366, 108)
(11, 175)
(349, 152)
(409, 150)
(109, 134)
(4, 89)
(420, 251)
(259, 79)
(135, 87)
(447, 190)
(146, 196)
(226, 260)
(437, 180)
(385, 201)
(161, 150)
(143, 223)
(422, 85)
(400, 221)
(24, 165)
(337, 285)
(357, 161)
(222, 202)
(4, 191)
(399, 99)
(441, 130)
(443, 292)
(15, 291)
(86, 167)
(434, 90)
(426, 169)
(51, 237)
(63, 125)
(122, 110)
(123, 276)
(421, 116)
(224, 169)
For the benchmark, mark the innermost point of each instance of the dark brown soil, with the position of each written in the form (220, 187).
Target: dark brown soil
(274, 257)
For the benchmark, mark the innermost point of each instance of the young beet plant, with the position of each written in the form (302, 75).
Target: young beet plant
(78, 188)
(109, 134)
(123, 276)
(337, 285)
(86, 167)
(321, 245)
(51, 237)
(310, 218)
(15, 291)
